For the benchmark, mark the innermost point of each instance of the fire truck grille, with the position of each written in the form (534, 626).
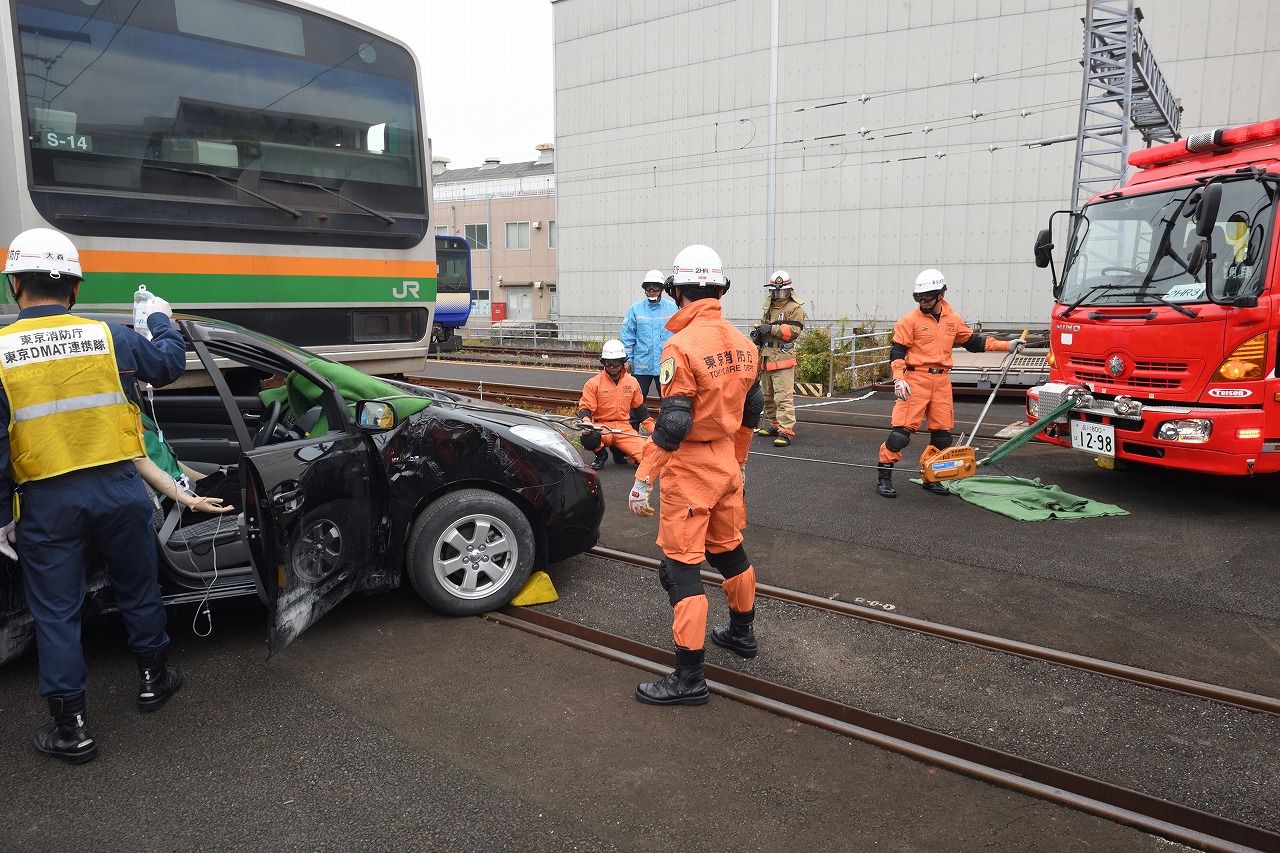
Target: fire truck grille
(1146, 375)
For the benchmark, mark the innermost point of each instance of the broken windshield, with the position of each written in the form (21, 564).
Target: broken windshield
(1140, 249)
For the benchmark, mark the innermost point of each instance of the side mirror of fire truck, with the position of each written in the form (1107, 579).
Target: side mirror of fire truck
(1207, 210)
(1044, 248)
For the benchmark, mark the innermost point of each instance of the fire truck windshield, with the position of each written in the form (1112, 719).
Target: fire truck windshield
(1143, 249)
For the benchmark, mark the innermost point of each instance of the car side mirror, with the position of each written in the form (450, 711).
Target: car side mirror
(1207, 209)
(375, 415)
(1044, 248)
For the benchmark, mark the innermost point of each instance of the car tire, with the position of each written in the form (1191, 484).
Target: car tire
(470, 552)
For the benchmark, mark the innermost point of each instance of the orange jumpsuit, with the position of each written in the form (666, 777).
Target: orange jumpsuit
(928, 340)
(609, 404)
(701, 506)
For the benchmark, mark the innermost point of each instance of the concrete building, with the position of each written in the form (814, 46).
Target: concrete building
(507, 212)
(851, 143)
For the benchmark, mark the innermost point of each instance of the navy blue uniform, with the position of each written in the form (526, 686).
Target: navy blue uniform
(109, 505)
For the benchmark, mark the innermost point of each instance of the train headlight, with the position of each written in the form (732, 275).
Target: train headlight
(1188, 431)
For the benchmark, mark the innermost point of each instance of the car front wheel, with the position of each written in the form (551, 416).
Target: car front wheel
(470, 552)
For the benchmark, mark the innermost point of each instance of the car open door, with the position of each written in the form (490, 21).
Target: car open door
(315, 506)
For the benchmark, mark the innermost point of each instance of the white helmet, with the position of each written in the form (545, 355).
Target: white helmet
(653, 277)
(43, 250)
(697, 266)
(929, 281)
(613, 349)
(780, 280)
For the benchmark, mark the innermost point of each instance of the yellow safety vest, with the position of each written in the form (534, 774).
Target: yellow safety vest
(67, 408)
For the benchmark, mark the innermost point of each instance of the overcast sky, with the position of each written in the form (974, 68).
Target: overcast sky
(490, 62)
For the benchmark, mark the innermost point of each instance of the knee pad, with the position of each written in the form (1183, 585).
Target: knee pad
(940, 438)
(730, 564)
(898, 439)
(591, 439)
(680, 580)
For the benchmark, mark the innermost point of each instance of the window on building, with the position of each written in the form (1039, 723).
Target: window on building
(477, 235)
(517, 235)
(442, 230)
(551, 233)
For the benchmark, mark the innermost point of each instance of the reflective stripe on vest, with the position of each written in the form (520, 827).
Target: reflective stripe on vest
(68, 410)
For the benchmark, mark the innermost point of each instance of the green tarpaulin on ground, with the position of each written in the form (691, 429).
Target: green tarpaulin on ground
(1028, 500)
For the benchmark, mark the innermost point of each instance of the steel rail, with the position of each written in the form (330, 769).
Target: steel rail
(1096, 666)
(524, 395)
(1116, 803)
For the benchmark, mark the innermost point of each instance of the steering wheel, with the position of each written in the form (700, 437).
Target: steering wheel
(1118, 271)
(270, 420)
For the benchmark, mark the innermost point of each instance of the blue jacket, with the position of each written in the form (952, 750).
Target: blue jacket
(644, 334)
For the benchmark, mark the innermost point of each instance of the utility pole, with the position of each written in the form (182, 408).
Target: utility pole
(1123, 87)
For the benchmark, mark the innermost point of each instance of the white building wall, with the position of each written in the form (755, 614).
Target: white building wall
(663, 139)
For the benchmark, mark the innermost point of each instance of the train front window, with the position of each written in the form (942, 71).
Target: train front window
(246, 104)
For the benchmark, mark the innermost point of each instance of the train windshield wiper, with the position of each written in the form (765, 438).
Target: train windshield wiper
(333, 192)
(289, 210)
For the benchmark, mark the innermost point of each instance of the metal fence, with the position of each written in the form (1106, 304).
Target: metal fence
(858, 355)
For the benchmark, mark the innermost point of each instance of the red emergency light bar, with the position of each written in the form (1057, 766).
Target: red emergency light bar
(1209, 140)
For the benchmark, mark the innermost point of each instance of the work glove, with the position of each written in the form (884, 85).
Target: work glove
(591, 439)
(901, 389)
(1016, 344)
(638, 500)
(159, 305)
(9, 535)
(757, 336)
(743, 469)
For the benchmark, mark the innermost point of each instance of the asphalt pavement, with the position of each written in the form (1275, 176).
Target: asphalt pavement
(389, 727)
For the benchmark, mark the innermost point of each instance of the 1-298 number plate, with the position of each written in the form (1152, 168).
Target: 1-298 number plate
(1093, 438)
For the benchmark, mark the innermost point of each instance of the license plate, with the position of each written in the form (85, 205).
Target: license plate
(1093, 438)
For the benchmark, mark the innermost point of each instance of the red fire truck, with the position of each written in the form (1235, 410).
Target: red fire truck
(1166, 323)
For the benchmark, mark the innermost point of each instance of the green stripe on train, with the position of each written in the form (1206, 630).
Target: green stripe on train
(182, 289)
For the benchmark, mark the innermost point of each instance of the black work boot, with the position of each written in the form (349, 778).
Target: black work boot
(935, 488)
(602, 456)
(884, 485)
(157, 681)
(686, 685)
(67, 737)
(619, 458)
(737, 637)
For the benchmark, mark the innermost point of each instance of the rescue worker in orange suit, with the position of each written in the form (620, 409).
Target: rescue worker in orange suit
(608, 400)
(920, 358)
(711, 403)
(73, 429)
(776, 335)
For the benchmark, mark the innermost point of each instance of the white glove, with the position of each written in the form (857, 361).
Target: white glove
(901, 389)
(9, 535)
(1016, 344)
(158, 305)
(638, 500)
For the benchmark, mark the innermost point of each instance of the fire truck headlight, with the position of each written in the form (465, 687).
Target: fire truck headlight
(1189, 431)
(1033, 407)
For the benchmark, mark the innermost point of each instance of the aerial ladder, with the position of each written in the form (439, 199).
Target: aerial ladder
(1123, 86)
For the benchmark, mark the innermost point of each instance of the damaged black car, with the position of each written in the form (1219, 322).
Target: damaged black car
(346, 483)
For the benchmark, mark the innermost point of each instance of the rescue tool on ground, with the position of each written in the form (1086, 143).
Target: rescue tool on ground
(957, 462)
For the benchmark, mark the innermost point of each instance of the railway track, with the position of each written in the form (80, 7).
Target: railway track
(560, 399)
(1124, 805)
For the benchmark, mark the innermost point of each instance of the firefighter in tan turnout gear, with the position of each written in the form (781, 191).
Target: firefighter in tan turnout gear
(920, 359)
(710, 405)
(776, 335)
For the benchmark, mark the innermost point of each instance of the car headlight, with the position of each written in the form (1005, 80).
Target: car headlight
(549, 439)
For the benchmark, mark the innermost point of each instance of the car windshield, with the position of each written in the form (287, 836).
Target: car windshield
(1139, 250)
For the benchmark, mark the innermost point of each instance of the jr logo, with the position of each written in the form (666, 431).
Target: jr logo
(406, 288)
